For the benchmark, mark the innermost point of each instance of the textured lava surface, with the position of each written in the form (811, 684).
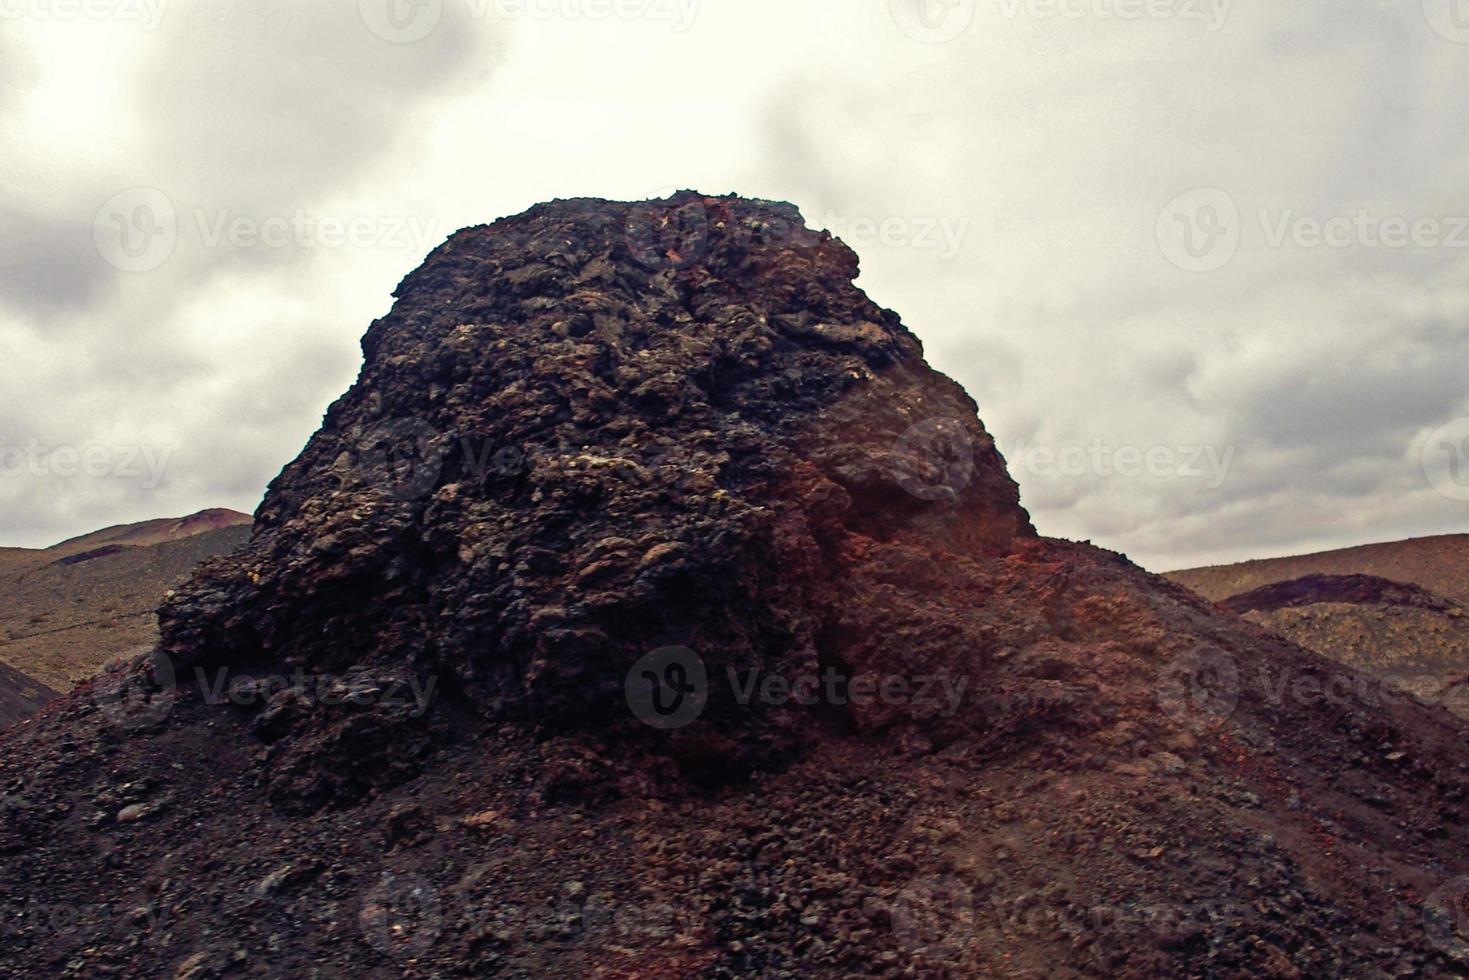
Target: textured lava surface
(596, 431)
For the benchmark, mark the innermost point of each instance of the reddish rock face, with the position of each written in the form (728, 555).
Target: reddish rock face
(603, 455)
(598, 429)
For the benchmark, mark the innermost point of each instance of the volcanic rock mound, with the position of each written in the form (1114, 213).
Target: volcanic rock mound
(569, 447)
(649, 609)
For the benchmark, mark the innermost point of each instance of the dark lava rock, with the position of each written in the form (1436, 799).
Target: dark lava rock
(1351, 589)
(649, 609)
(563, 453)
(20, 696)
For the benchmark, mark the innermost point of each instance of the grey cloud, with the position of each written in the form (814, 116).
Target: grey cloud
(48, 266)
(269, 104)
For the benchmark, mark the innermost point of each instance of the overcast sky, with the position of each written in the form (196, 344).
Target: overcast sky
(1204, 265)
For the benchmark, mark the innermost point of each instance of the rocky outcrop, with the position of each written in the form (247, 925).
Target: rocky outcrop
(1412, 639)
(20, 696)
(649, 608)
(568, 448)
(1347, 589)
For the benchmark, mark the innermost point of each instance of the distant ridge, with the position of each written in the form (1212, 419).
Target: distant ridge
(150, 532)
(1439, 564)
(140, 535)
(65, 611)
(1396, 610)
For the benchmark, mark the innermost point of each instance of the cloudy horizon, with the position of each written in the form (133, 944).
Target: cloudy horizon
(1203, 264)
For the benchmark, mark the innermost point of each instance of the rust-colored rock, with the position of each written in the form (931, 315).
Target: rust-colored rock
(646, 532)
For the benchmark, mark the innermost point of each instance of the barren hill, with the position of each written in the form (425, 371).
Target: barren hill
(649, 608)
(1439, 564)
(65, 611)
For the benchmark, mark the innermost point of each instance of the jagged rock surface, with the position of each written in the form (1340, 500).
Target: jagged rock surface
(596, 430)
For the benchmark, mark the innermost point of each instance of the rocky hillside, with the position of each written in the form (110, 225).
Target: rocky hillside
(20, 696)
(66, 611)
(1408, 637)
(650, 609)
(1439, 564)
